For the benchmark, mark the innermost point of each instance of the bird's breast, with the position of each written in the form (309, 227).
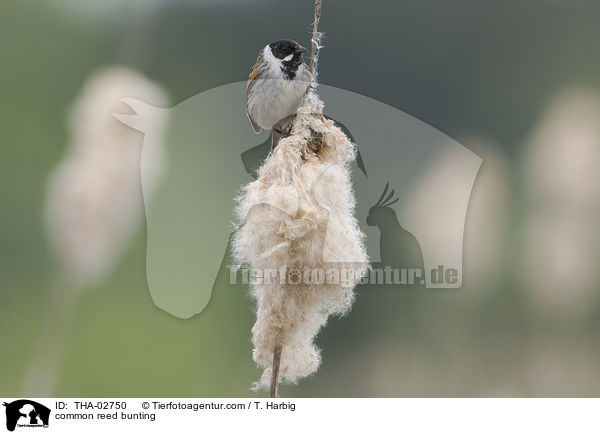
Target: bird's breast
(273, 99)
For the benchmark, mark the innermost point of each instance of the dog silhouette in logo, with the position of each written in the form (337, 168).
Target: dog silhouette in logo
(28, 409)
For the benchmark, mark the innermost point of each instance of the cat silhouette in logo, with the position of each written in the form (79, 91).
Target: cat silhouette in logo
(26, 408)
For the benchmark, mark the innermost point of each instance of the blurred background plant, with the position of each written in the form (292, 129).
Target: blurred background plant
(93, 204)
(516, 82)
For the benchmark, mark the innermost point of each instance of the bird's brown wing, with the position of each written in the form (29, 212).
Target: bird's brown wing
(254, 76)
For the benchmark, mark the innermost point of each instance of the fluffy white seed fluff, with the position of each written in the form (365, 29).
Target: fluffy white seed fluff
(300, 213)
(94, 199)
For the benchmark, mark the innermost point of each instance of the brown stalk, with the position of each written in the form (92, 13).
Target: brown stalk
(275, 373)
(313, 67)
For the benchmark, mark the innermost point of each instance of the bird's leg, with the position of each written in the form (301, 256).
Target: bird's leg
(275, 136)
(282, 129)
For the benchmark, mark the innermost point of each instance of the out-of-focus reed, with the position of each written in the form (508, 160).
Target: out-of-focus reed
(93, 205)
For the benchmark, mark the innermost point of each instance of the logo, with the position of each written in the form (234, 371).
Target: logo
(26, 413)
(422, 177)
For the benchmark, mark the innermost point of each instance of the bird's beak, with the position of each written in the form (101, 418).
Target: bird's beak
(301, 49)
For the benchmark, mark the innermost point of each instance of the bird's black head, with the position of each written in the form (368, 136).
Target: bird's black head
(283, 48)
(289, 53)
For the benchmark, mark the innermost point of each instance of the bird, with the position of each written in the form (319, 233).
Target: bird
(397, 246)
(278, 81)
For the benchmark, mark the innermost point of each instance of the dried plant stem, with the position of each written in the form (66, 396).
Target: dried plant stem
(315, 37)
(275, 373)
(313, 68)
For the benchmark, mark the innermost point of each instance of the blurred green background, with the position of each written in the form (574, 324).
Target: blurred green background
(482, 72)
